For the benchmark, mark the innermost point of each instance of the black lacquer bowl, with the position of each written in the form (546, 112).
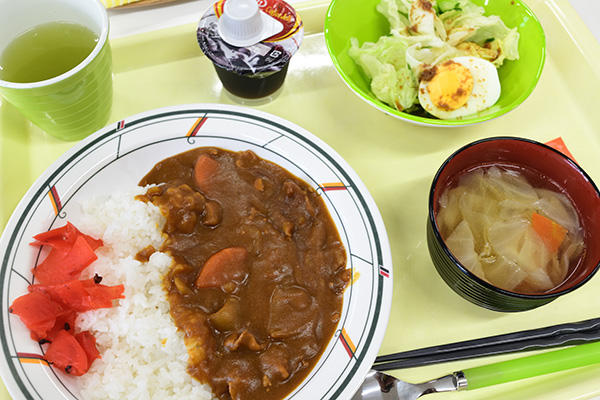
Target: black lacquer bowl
(551, 166)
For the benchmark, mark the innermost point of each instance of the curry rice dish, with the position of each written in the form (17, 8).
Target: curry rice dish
(259, 269)
(255, 324)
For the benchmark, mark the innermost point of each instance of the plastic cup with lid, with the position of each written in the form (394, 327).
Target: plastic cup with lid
(250, 44)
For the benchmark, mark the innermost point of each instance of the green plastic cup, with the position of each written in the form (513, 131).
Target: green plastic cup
(76, 103)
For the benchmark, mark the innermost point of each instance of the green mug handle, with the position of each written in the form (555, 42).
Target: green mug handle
(526, 367)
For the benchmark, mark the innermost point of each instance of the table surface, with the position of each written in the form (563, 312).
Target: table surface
(589, 11)
(142, 19)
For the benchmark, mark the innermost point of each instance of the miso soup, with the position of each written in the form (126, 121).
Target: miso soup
(516, 236)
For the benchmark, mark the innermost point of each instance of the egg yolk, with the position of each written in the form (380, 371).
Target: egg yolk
(451, 86)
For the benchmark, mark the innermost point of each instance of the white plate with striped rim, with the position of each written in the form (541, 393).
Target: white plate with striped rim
(117, 157)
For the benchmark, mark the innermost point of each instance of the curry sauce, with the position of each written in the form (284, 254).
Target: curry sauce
(259, 270)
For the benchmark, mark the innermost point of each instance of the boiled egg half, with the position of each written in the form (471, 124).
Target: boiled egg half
(459, 87)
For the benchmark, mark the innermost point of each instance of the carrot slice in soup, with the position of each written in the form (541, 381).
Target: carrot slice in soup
(204, 170)
(227, 265)
(551, 233)
(67, 354)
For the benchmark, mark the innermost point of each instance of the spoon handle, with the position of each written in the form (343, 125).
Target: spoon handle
(539, 364)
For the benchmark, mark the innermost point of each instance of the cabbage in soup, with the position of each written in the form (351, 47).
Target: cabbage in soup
(515, 236)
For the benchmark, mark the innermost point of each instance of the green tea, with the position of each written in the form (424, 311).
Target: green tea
(46, 51)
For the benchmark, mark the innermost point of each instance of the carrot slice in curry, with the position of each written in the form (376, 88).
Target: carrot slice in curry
(227, 265)
(204, 170)
(67, 354)
(551, 233)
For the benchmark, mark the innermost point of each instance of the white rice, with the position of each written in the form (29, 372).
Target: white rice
(143, 355)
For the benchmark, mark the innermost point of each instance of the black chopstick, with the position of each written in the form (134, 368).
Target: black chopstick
(533, 339)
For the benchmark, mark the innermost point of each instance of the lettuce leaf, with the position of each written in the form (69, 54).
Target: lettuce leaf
(396, 12)
(421, 57)
(384, 63)
(470, 25)
(457, 7)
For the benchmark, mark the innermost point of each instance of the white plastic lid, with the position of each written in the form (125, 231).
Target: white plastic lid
(269, 55)
(244, 24)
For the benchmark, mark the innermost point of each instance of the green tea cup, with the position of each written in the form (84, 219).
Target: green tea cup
(77, 102)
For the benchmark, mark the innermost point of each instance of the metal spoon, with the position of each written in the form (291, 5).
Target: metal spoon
(380, 386)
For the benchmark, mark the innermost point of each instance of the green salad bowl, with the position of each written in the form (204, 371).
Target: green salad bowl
(358, 18)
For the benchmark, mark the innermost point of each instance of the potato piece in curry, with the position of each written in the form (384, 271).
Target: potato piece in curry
(259, 270)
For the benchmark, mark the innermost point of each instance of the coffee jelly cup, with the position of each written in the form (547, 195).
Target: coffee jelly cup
(250, 44)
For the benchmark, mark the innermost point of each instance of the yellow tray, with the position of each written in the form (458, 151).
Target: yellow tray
(395, 160)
